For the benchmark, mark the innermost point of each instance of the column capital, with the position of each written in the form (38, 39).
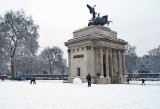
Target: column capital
(122, 50)
(114, 50)
(88, 47)
(119, 50)
(106, 48)
(110, 49)
(99, 47)
(69, 50)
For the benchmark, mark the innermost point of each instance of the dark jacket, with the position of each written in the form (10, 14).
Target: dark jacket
(88, 77)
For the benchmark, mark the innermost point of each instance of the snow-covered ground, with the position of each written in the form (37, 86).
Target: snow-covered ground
(59, 95)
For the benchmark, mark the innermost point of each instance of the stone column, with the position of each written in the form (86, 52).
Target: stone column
(114, 62)
(90, 60)
(95, 62)
(101, 63)
(107, 64)
(123, 62)
(120, 62)
(110, 64)
(69, 64)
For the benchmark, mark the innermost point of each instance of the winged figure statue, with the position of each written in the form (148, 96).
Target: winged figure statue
(92, 11)
(97, 20)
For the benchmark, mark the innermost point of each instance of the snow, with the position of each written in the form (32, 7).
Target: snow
(58, 95)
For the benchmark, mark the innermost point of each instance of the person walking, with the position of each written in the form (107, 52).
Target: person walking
(88, 80)
(143, 82)
(128, 80)
(33, 79)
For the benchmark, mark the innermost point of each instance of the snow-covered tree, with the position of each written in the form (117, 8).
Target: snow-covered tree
(61, 67)
(52, 57)
(154, 57)
(20, 35)
(130, 58)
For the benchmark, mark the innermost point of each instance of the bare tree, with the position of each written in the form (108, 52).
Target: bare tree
(62, 68)
(4, 59)
(20, 35)
(154, 59)
(52, 57)
(130, 58)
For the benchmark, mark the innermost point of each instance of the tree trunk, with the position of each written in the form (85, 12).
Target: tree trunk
(12, 67)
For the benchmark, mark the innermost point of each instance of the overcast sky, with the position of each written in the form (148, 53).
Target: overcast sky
(135, 21)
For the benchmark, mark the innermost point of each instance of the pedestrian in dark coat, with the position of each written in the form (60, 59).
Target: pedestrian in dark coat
(33, 79)
(143, 82)
(88, 80)
(128, 80)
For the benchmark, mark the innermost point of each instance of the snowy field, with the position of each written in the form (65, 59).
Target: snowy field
(59, 95)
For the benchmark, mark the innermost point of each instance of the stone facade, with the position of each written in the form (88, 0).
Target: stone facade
(98, 51)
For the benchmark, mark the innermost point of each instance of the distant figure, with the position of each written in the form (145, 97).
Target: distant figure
(88, 80)
(128, 80)
(143, 82)
(33, 79)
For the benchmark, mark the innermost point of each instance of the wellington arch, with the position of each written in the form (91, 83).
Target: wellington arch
(95, 49)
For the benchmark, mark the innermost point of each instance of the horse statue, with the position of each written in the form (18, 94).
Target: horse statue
(100, 21)
(97, 20)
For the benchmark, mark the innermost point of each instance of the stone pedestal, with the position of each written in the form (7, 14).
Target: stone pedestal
(98, 51)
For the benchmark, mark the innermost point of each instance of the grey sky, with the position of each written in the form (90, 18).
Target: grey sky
(135, 21)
